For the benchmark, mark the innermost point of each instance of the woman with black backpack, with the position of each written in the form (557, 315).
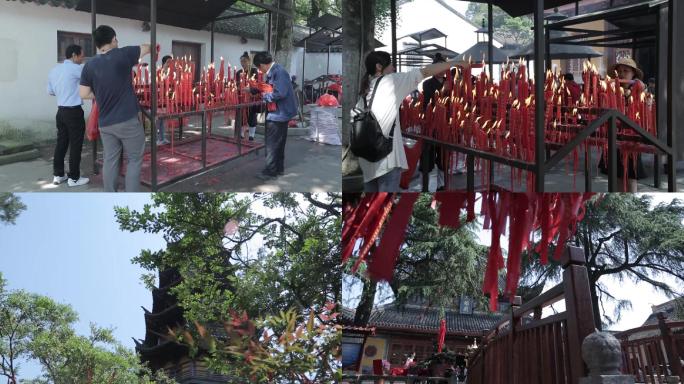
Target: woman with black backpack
(381, 153)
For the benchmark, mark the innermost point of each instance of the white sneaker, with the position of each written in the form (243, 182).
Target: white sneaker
(57, 180)
(79, 182)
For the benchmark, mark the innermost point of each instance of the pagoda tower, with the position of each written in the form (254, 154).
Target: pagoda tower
(161, 353)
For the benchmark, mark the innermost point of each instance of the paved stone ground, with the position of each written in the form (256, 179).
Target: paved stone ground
(560, 179)
(309, 167)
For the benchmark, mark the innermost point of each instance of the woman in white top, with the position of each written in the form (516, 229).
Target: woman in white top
(384, 175)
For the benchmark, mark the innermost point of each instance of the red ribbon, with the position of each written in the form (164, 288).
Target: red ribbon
(381, 265)
(441, 336)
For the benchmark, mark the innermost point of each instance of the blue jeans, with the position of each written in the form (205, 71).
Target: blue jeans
(389, 182)
(276, 136)
(160, 130)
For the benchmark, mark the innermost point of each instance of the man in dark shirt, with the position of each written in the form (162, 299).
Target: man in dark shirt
(434, 84)
(108, 78)
(276, 122)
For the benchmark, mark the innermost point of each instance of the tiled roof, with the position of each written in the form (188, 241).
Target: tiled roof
(669, 308)
(351, 328)
(347, 315)
(419, 319)
(253, 27)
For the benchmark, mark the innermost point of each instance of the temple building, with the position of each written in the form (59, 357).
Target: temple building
(161, 353)
(396, 331)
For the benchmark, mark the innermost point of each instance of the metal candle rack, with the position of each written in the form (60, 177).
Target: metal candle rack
(566, 127)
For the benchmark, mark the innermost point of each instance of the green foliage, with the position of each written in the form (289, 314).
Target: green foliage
(679, 309)
(34, 327)
(24, 315)
(306, 10)
(446, 357)
(295, 266)
(287, 347)
(518, 29)
(626, 238)
(10, 207)
(438, 263)
(67, 358)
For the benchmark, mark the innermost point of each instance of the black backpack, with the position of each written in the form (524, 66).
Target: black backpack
(367, 140)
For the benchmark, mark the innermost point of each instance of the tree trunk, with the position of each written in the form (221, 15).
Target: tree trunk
(315, 10)
(283, 40)
(595, 302)
(355, 30)
(363, 310)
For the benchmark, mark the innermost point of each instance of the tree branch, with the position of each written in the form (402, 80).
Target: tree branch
(332, 208)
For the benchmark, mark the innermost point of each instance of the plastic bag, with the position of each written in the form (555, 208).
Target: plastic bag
(327, 100)
(92, 128)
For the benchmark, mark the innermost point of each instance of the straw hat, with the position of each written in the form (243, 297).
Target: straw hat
(626, 61)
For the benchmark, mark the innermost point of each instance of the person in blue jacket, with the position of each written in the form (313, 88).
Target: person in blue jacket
(276, 122)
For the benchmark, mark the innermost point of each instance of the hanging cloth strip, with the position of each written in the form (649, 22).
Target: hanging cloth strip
(555, 215)
(442, 335)
(381, 265)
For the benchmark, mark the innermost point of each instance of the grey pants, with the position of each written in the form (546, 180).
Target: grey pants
(129, 136)
(389, 182)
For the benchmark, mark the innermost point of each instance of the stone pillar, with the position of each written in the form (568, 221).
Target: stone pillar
(602, 354)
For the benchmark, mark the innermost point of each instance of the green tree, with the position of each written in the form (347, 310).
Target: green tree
(67, 358)
(10, 207)
(295, 267)
(307, 10)
(22, 316)
(436, 262)
(625, 237)
(517, 29)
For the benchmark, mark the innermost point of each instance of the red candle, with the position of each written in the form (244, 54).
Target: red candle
(594, 84)
(221, 71)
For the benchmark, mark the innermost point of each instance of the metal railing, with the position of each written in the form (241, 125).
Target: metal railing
(607, 116)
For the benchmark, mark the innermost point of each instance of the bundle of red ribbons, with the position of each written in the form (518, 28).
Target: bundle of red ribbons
(554, 215)
(499, 117)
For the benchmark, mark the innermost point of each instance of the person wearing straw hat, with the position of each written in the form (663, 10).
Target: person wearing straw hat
(627, 69)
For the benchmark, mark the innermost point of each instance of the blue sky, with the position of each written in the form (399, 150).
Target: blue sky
(69, 247)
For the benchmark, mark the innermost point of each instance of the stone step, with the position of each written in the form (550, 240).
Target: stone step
(8, 147)
(19, 156)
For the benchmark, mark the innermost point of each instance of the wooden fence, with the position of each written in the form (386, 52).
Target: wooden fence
(653, 352)
(528, 349)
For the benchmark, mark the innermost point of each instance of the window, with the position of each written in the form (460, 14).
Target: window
(399, 352)
(65, 39)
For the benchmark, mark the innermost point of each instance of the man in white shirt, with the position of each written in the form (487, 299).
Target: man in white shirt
(63, 82)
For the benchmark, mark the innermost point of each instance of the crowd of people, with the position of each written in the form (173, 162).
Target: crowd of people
(107, 78)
